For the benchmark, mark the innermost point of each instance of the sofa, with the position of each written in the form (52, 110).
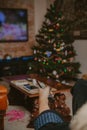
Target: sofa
(3, 104)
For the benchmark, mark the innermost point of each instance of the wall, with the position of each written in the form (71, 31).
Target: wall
(36, 12)
(23, 48)
(40, 11)
(81, 50)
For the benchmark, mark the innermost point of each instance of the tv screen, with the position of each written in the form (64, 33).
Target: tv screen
(13, 25)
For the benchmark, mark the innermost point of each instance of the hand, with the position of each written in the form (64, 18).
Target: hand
(44, 92)
(43, 99)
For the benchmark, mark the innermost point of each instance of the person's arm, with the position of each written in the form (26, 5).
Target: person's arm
(47, 118)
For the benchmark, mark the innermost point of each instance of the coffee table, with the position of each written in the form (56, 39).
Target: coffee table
(58, 89)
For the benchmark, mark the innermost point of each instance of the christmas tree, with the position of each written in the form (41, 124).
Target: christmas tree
(54, 54)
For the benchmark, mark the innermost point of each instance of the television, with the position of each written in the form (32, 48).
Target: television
(13, 25)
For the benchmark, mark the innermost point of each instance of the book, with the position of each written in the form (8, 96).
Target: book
(29, 87)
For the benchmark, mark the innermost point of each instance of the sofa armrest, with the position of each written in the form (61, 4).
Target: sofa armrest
(3, 105)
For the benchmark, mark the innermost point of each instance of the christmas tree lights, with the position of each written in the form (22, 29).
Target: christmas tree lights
(54, 56)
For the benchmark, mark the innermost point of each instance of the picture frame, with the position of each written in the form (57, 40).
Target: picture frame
(76, 11)
(80, 27)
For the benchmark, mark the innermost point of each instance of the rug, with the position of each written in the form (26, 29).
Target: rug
(17, 118)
